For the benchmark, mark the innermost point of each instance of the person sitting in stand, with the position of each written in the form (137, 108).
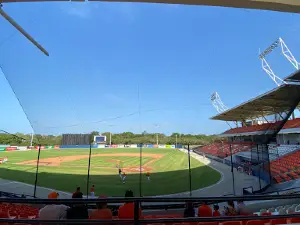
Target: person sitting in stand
(230, 210)
(204, 210)
(53, 211)
(102, 212)
(78, 211)
(77, 191)
(189, 210)
(126, 211)
(216, 211)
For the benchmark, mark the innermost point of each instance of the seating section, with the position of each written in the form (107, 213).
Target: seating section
(295, 123)
(280, 210)
(18, 211)
(286, 168)
(222, 150)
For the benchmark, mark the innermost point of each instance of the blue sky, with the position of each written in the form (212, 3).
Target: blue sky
(133, 67)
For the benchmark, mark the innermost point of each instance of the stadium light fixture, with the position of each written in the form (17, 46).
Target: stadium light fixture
(218, 104)
(287, 54)
(21, 30)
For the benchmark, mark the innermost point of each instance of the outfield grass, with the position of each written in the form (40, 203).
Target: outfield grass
(169, 173)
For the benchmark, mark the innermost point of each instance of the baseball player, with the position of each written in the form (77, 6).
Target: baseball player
(148, 176)
(123, 177)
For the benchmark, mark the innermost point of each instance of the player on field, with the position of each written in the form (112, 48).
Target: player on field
(148, 176)
(120, 173)
(123, 177)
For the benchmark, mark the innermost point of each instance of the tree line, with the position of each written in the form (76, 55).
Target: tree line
(119, 138)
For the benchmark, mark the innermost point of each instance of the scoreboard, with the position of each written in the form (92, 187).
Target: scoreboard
(99, 139)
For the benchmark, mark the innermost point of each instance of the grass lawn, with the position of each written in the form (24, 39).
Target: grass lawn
(169, 171)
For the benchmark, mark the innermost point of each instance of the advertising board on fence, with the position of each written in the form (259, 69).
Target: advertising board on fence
(101, 146)
(11, 148)
(22, 148)
(133, 146)
(161, 146)
(121, 146)
(2, 149)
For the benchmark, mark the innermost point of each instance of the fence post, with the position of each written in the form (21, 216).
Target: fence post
(37, 171)
(232, 173)
(190, 172)
(136, 212)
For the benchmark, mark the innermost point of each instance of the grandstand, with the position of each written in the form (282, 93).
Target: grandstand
(266, 142)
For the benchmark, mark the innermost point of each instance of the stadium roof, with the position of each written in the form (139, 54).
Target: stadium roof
(274, 5)
(275, 101)
(294, 77)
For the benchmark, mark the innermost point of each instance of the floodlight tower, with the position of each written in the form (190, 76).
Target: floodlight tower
(218, 104)
(287, 54)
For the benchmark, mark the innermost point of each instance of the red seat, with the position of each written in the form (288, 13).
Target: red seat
(278, 221)
(256, 222)
(294, 220)
(233, 223)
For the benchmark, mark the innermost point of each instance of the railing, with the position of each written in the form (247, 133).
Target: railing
(137, 202)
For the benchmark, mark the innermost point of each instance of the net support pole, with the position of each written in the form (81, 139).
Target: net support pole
(190, 172)
(37, 171)
(88, 176)
(257, 152)
(141, 161)
(232, 173)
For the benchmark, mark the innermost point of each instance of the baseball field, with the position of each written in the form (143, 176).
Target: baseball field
(65, 169)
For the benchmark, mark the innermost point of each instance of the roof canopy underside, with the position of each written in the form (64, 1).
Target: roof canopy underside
(295, 77)
(274, 5)
(278, 100)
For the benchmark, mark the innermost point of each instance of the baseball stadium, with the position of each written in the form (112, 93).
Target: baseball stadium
(70, 170)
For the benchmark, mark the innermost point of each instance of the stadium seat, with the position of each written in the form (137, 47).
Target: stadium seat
(294, 220)
(208, 223)
(278, 221)
(232, 223)
(256, 222)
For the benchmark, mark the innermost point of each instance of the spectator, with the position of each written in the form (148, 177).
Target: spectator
(77, 211)
(189, 210)
(230, 210)
(76, 192)
(93, 191)
(126, 211)
(102, 212)
(53, 212)
(204, 210)
(216, 211)
(241, 208)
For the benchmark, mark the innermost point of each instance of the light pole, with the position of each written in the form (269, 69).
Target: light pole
(176, 141)
(156, 126)
(110, 133)
(31, 139)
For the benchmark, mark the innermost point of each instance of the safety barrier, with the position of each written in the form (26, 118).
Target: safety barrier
(138, 201)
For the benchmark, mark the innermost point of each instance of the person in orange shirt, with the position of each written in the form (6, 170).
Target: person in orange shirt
(204, 210)
(126, 211)
(102, 212)
(148, 176)
(93, 191)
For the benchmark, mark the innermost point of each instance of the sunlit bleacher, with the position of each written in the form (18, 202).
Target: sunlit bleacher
(286, 168)
(222, 149)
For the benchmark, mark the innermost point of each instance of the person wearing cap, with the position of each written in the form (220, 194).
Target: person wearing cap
(102, 212)
(53, 211)
(77, 191)
(126, 211)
